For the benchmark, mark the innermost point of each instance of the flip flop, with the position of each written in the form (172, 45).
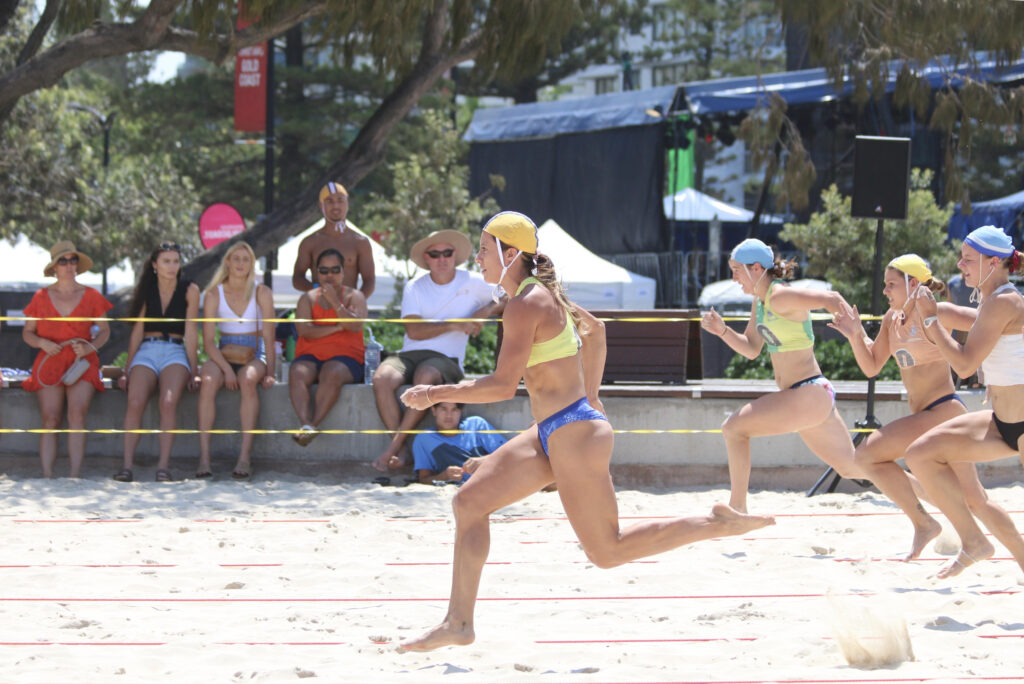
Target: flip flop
(241, 474)
(204, 474)
(124, 475)
(164, 475)
(305, 435)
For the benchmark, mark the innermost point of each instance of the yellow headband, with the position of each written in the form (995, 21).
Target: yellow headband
(514, 230)
(332, 189)
(914, 266)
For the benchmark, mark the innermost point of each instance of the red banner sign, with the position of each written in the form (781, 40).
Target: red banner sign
(218, 223)
(250, 81)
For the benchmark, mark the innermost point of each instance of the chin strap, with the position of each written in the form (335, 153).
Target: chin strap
(754, 286)
(976, 292)
(498, 292)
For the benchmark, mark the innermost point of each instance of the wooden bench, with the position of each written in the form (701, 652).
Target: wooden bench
(650, 351)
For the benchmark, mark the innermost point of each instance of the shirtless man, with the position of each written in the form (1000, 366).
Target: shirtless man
(336, 234)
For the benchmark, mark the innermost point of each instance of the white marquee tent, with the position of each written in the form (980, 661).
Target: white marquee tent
(591, 281)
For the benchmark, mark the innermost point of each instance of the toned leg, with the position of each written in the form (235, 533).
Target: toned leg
(970, 438)
(212, 379)
(392, 457)
(778, 413)
(51, 413)
(580, 453)
(992, 515)
(79, 397)
(513, 472)
(333, 375)
(249, 378)
(876, 457)
(141, 383)
(386, 382)
(301, 376)
(173, 379)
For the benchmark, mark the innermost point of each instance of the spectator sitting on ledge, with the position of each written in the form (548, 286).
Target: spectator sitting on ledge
(453, 452)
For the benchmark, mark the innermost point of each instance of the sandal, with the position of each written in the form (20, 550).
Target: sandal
(242, 474)
(202, 474)
(305, 434)
(164, 475)
(124, 475)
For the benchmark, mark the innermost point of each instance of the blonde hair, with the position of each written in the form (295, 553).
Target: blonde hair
(222, 271)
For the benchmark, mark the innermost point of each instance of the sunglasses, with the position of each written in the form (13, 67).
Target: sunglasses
(438, 253)
(324, 270)
(170, 246)
(64, 261)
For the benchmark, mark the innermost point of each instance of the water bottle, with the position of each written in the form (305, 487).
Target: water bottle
(371, 358)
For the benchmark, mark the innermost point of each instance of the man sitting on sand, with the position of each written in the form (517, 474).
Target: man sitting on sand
(453, 452)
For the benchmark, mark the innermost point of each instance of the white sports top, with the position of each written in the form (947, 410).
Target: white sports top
(1004, 366)
(234, 327)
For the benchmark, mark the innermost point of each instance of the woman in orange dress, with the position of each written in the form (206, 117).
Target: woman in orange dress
(56, 375)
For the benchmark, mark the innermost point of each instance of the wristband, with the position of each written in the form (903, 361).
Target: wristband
(929, 320)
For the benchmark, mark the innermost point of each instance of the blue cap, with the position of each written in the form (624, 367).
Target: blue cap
(990, 241)
(752, 251)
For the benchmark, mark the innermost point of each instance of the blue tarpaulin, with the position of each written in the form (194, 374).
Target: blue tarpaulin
(815, 85)
(1005, 212)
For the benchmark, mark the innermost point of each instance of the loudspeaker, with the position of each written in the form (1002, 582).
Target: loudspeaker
(881, 177)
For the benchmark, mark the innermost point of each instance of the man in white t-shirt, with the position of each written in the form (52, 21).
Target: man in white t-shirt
(432, 353)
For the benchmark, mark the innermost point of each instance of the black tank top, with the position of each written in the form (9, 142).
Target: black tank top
(175, 309)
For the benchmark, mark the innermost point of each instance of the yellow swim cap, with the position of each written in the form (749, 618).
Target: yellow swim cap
(914, 266)
(332, 189)
(514, 230)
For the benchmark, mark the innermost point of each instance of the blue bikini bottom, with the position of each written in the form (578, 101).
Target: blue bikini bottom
(577, 411)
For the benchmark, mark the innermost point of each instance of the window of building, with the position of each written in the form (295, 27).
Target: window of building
(668, 74)
(606, 84)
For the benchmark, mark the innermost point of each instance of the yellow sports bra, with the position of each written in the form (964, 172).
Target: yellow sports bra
(563, 345)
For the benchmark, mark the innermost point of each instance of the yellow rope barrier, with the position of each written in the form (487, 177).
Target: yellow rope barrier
(331, 431)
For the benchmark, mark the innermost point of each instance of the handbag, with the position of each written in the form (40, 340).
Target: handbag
(238, 354)
(74, 371)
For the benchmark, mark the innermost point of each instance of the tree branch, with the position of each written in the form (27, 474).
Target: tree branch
(42, 27)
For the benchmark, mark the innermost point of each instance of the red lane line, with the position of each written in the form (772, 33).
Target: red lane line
(643, 641)
(135, 520)
(110, 520)
(666, 517)
(139, 565)
(164, 643)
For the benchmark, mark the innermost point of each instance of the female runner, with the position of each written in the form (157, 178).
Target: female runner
(987, 258)
(930, 394)
(571, 442)
(806, 402)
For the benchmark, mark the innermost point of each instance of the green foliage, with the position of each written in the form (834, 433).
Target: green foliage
(840, 249)
(835, 357)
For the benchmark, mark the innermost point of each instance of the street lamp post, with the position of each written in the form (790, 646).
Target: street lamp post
(106, 123)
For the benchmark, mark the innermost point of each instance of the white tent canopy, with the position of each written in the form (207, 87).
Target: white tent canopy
(694, 205)
(590, 281)
(24, 261)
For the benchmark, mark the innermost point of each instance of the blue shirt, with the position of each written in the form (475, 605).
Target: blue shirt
(435, 452)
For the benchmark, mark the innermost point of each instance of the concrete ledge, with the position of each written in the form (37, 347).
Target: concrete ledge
(655, 459)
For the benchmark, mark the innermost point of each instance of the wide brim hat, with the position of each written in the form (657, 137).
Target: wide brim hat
(62, 249)
(463, 247)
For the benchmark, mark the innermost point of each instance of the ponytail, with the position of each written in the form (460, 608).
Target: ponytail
(938, 287)
(784, 269)
(1013, 262)
(543, 269)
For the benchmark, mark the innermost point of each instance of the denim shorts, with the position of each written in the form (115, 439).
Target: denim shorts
(254, 341)
(159, 354)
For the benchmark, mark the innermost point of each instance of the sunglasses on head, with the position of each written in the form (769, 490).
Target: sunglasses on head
(438, 253)
(170, 246)
(64, 261)
(324, 270)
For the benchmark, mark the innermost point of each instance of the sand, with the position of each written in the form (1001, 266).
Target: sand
(284, 578)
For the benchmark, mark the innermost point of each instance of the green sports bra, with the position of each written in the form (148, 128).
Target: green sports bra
(781, 334)
(563, 345)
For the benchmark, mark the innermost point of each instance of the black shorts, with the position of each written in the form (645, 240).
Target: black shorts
(355, 367)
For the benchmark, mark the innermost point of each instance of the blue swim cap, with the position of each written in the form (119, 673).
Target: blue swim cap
(990, 241)
(752, 251)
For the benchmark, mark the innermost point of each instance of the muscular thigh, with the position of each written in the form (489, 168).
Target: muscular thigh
(778, 413)
(970, 438)
(580, 454)
(515, 470)
(889, 442)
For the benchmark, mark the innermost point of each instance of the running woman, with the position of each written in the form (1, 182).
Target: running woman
(560, 349)
(780, 320)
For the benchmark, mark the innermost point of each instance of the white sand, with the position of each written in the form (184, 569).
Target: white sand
(332, 566)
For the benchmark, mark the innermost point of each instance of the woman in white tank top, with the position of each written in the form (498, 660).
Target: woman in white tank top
(244, 358)
(986, 259)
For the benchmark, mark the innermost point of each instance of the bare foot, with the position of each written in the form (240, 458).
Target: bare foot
(977, 553)
(735, 522)
(442, 635)
(381, 463)
(923, 535)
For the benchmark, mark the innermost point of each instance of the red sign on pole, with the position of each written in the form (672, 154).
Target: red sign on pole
(250, 82)
(218, 223)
